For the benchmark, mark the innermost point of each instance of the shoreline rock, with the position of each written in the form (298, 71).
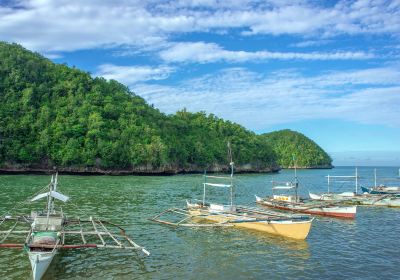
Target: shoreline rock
(137, 171)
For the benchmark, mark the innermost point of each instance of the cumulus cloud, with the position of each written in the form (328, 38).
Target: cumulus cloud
(68, 25)
(210, 52)
(258, 101)
(130, 75)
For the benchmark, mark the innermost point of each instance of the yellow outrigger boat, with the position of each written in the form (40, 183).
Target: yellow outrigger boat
(200, 213)
(292, 226)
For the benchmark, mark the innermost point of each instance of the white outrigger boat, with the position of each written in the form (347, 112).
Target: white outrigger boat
(294, 203)
(382, 188)
(200, 213)
(48, 231)
(330, 196)
(385, 198)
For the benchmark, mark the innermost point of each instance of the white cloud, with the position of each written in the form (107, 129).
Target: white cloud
(68, 25)
(130, 75)
(210, 52)
(52, 55)
(311, 43)
(259, 101)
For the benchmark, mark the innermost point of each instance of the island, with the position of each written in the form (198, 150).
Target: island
(53, 116)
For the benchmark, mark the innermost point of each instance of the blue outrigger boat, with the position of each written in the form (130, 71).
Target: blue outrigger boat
(381, 189)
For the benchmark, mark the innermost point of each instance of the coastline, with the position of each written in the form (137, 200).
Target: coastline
(139, 171)
(311, 167)
(145, 170)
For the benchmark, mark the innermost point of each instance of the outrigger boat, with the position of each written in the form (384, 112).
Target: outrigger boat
(295, 204)
(48, 231)
(200, 213)
(388, 199)
(381, 189)
(344, 196)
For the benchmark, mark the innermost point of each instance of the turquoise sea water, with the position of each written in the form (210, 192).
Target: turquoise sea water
(365, 248)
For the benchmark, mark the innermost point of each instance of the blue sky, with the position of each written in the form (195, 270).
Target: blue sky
(329, 69)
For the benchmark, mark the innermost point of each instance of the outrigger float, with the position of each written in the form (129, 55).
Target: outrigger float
(295, 204)
(200, 213)
(50, 230)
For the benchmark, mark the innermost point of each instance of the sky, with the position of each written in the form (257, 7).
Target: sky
(328, 69)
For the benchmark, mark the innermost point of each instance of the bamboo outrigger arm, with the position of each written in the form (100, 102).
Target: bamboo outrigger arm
(99, 230)
(182, 223)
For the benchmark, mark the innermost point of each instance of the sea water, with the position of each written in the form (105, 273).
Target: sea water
(365, 248)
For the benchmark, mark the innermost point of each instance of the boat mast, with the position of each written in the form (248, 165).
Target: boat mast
(204, 187)
(54, 189)
(296, 182)
(49, 196)
(49, 201)
(231, 165)
(375, 176)
(356, 180)
(329, 182)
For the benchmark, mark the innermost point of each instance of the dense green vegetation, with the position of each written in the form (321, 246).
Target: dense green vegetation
(54, 115)
(293, 147)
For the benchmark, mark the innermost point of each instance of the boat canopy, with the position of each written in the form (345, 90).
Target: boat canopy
(53, 194)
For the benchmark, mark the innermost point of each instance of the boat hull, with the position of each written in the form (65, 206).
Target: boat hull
(43, 242)
(40, 262)
(346, 212)
(387, 200)
(332, 196)
(288, 228)
(381, 190)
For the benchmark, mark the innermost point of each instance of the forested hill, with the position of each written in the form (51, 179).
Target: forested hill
(292, 147)
(52, 115)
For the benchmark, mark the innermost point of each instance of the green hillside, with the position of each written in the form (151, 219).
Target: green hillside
(54, 115)
(291, 146)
